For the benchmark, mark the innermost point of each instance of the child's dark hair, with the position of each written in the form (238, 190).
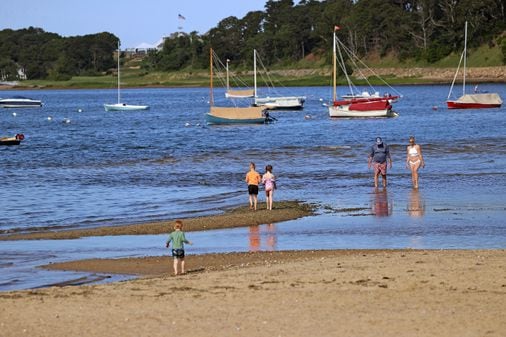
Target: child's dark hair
(268, 168)
(252, 165)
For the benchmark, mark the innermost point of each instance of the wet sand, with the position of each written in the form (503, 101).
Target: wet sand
(322, 293)
(236, 217)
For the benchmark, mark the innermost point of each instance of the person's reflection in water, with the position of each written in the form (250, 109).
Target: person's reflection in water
(416, 204)
(271, 237)
(381, 205)
(254, 238)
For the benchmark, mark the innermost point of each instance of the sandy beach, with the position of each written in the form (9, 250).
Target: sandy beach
(322, 293)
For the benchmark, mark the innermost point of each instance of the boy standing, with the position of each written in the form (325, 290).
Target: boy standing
(253, 179)
(178, 240)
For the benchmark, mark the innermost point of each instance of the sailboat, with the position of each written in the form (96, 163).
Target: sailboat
(122, 106)
(369, 106)
(246, 93)
(276, 102)
(471, 101)
(232, 115)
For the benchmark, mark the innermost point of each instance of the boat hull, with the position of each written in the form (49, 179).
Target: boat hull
(287, 103)
(9, 142)
(20, 103)
(362, 109)
(124, 107)
(211, 119)
(460, 105)
(16, 140)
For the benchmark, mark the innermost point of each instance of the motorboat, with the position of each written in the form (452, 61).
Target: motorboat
(15, 140)
(20, 102)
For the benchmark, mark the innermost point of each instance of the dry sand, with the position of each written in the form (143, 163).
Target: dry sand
(317, 293)
(234, 217)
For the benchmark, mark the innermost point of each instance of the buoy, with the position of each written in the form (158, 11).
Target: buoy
(14, 114)
(66, 120)
(79, 110)
(307, 117)
(187, 124)
(49, 118)
(321, 99)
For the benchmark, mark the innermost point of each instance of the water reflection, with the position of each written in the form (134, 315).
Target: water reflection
(381, 205)
(416, 204)
(268, 232)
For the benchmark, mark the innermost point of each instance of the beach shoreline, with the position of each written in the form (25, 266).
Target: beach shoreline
(291, 293)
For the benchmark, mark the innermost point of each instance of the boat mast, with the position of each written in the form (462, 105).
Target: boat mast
(119, 53)
(334, 61)
(465, 57)
(228, 81)
(255, 72)
(211, 98)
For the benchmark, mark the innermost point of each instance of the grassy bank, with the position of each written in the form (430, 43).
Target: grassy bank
(485, 62)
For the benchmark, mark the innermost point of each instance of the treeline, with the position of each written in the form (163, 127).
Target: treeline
(287, 32)
(33, 53)
(284, 33)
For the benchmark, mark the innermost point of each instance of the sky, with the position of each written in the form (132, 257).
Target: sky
(133, 21)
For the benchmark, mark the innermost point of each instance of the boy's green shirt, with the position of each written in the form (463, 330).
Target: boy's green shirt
(177, 237)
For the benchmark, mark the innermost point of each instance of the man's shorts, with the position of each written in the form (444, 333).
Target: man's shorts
(380, 168)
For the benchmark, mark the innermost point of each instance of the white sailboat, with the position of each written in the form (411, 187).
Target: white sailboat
(276, 102)
(122, 106)
(471, 101)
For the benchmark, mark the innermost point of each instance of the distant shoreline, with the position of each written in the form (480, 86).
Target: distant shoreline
(289, 78)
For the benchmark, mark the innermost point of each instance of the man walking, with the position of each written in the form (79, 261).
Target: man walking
(378, 157)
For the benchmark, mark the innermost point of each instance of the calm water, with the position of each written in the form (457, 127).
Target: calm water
(108, 168)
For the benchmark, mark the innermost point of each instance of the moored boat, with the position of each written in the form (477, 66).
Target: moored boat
(15, 140)
(274, 102)
(348, 109)
(232, 115)
(361, 106)
(20, 102)
(475, 100)
(122, 106)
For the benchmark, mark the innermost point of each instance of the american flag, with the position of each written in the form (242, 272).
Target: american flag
(179, 16)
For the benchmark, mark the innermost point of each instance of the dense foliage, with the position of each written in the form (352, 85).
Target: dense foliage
(34, 54)
(287, 32)
(284, 33)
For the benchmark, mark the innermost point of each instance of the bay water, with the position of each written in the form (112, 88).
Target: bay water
(80, 166)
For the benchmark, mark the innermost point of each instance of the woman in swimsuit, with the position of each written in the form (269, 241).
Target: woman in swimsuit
(414, 160)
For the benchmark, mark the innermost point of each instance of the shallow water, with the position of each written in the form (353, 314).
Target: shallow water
(106, 168)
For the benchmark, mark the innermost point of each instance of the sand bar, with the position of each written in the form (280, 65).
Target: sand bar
(235, 217)
(316, 293)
